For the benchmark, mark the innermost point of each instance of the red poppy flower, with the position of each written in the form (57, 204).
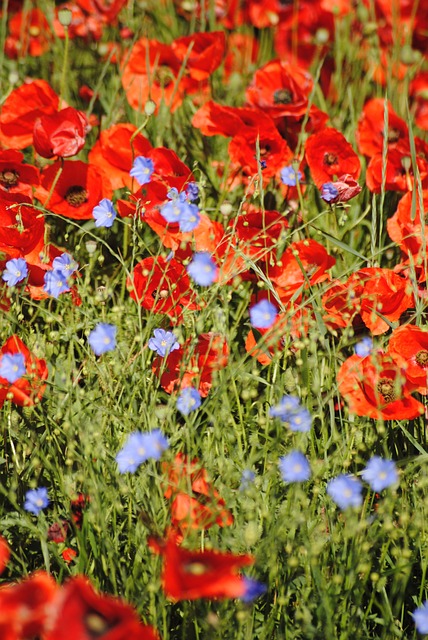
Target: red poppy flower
(202, 53)
(376, 386)
(280, 89)
(82, 613)
(15, 176)
(302, 264)
(193, 364)
(328, 154)
(195, 502)
(398, 171)
(60, 134)
(29, 34)
(161, 286)
(188, 575)
(378, 296)
(370, 131)
(27, 389)
(114, 152)
(79, 188)
(26, 607)
(4, 554)
(405, 226)
(340, 305)
(274, 153)
(409, 345)
(21, 228)
(68, 555)
(21, 109)
(384, 293)
(169, 169)
(159, 81)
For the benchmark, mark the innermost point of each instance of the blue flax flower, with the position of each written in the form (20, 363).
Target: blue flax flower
(364, 347)
(380, 473)
(16, 271)
(345, 491)
(294, 467)
(290, 411)
(163, 342)
(102, 338)
(55, 283)
(65, 263)
(329, 192)
(181, 211)
(253, 589)
(36, 500)
(288, 176)
(203, 270)
(192, 191)
(142, 170)
(138, 448)
(104, 213)
(189, 400)
(12, 366)
(263, 314)
(420, 616)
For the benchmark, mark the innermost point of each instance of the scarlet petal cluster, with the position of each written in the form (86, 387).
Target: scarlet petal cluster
(188, 575)
(376, 386)
(27, 389)
(60, 134)
(38, 607)
(195, 503)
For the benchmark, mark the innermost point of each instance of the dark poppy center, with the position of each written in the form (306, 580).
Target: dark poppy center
(76, 195)
(422, 358)
(9, 178)
(163, 293)
(282, 96)
(196, 568)
(330, 159)
(393, 135)
(96, 625)
(385, 387)
(163, 76)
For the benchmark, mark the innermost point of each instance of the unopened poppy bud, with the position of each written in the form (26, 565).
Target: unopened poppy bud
(65, 17)
(149, 108)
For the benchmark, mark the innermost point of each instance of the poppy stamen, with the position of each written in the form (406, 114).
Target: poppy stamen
(385, 387)
(163, 76)
(163, 293)
(96, 625)
(9, 178)
(330, 158)
(76, 195)
(422, 358)
(282, 96)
